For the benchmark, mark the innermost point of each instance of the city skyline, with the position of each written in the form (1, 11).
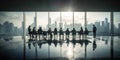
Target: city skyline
(92, 17)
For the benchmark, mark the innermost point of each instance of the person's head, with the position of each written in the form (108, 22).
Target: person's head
(61, 28)
(39, 27)
(67, 28)
(49, 28)
(73, 28)
(81, 27)
(93, 25)
(34, 27)
(86, 28)
(29, 26)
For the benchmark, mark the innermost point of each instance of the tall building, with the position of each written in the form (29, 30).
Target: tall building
(119, 26)
(106, 26)
(55, 24)
(118, 29)
(35, 20)
(49, 22)
(97, 24)
(60, 25)
(65, 26)
(102, 27)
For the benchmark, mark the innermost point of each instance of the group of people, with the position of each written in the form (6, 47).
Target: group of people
(33, 33)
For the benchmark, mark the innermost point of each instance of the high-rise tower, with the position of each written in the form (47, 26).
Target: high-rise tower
(35, 20)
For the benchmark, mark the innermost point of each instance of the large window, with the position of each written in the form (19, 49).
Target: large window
(79, 20)
(116, 23)
(11, 23)
(67, 20)
(54, 18)
(101, 20)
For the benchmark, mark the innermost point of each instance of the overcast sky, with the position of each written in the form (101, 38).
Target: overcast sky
(42, 17)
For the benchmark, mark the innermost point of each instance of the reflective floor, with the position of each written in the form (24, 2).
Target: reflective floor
(101, 47)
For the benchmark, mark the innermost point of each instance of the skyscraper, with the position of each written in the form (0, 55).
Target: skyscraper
(106, 26)
(97, 24)
(49, 22)
(35, 20)
(55, 24)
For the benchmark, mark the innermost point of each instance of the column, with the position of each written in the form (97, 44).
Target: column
(24, 25)
(60, 19)
(73, 19)
(85, 19)
(112, 23)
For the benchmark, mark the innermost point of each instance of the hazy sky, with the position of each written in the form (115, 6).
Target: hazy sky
(42, 17)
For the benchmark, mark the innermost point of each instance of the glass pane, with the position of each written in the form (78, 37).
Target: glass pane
(55, 19)
(101, 20)
(67, 20)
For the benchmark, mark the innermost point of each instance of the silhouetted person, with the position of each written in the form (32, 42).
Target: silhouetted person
(29, 31)
(73, 33)
(86, 32)
(40, 32)
(44, 34)
(34, 32)
(67, 33)
(49, 33)
(80, 32)
(61, 33)
(94, 31)
(55, 32)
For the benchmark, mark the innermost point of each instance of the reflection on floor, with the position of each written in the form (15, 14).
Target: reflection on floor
(61, 43)
(99, 48)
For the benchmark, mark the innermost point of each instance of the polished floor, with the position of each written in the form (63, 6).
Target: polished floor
(101, 47)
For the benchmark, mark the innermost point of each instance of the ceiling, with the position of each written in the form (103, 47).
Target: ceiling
(59, 5)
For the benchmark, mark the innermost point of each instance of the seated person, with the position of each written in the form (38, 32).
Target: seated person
(86, 31)
(73, 33)
(61, 32)
(55, 32)
(50, 32)
(80, 32)
(34, 32)
(29, 31)
(67, 33)
(40, 31)
(44, 34)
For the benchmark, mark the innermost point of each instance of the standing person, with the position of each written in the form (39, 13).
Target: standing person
(40, 32)
(94, 31)
(81, 32)
(55, 32)
(67, 33)
(29, 31)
